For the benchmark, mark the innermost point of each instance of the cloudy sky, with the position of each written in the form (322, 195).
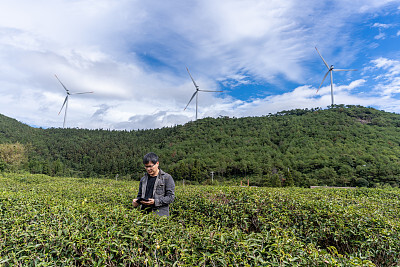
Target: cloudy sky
(133, 55)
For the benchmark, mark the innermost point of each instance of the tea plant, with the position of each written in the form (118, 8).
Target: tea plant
(78, 222)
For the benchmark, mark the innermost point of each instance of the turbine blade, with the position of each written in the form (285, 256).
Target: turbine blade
(195, 85)
(66, 99)
(323, 80)
(82, 93)
(342, 70)
(326, 64)
(61, 83)
(190, 100)
(209, 91)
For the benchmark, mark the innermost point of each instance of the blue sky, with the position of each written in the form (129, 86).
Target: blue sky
(133, 54)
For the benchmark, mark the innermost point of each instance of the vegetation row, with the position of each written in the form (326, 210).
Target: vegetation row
(49, 221)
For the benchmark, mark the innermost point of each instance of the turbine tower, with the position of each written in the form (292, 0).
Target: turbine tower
(330, 70)
(196, 93)
(66, 99)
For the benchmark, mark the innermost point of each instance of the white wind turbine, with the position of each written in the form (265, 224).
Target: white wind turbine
(196, 93)
(330, 70)
(66, 99)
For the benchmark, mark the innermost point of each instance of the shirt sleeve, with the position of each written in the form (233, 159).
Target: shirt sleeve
(140, 190)
(169, 194)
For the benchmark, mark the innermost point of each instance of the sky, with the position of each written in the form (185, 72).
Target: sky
(133, 55)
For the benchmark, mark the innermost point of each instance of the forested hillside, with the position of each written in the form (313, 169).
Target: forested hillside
(339, 146)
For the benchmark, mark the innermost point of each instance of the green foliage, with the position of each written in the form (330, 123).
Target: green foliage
(11, 156)
(336, 146)
(361, 182)
(2, 165)
(50, 221)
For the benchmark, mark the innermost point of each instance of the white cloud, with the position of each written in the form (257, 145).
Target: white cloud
(150, 121)
(391, 66)
(301, 97)
(380, 36)
(388, 82)
(382, 25)
(110, 47)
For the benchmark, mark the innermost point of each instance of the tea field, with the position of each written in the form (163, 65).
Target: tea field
(47, 221)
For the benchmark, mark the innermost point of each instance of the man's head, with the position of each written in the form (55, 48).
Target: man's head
(150, 161)
(150, 158)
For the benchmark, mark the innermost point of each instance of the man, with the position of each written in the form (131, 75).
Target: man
(156, 188)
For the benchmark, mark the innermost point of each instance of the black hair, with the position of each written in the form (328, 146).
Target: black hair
(150, 157)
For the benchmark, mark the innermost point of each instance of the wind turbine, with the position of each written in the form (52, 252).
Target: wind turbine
(330, 70)
(66, 99)
(196, 93)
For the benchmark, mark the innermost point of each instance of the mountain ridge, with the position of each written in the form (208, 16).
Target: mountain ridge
(339, 146)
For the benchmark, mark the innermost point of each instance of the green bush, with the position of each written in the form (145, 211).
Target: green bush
(78, 222)
(361, 182)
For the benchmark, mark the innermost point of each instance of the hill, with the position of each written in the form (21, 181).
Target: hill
(339, 146)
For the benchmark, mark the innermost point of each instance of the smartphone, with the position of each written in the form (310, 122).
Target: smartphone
(140, 199)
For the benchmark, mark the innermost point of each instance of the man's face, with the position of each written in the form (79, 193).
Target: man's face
(151, 168)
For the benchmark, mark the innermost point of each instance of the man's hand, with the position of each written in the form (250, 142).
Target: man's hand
(134, 203)
(150, 202)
